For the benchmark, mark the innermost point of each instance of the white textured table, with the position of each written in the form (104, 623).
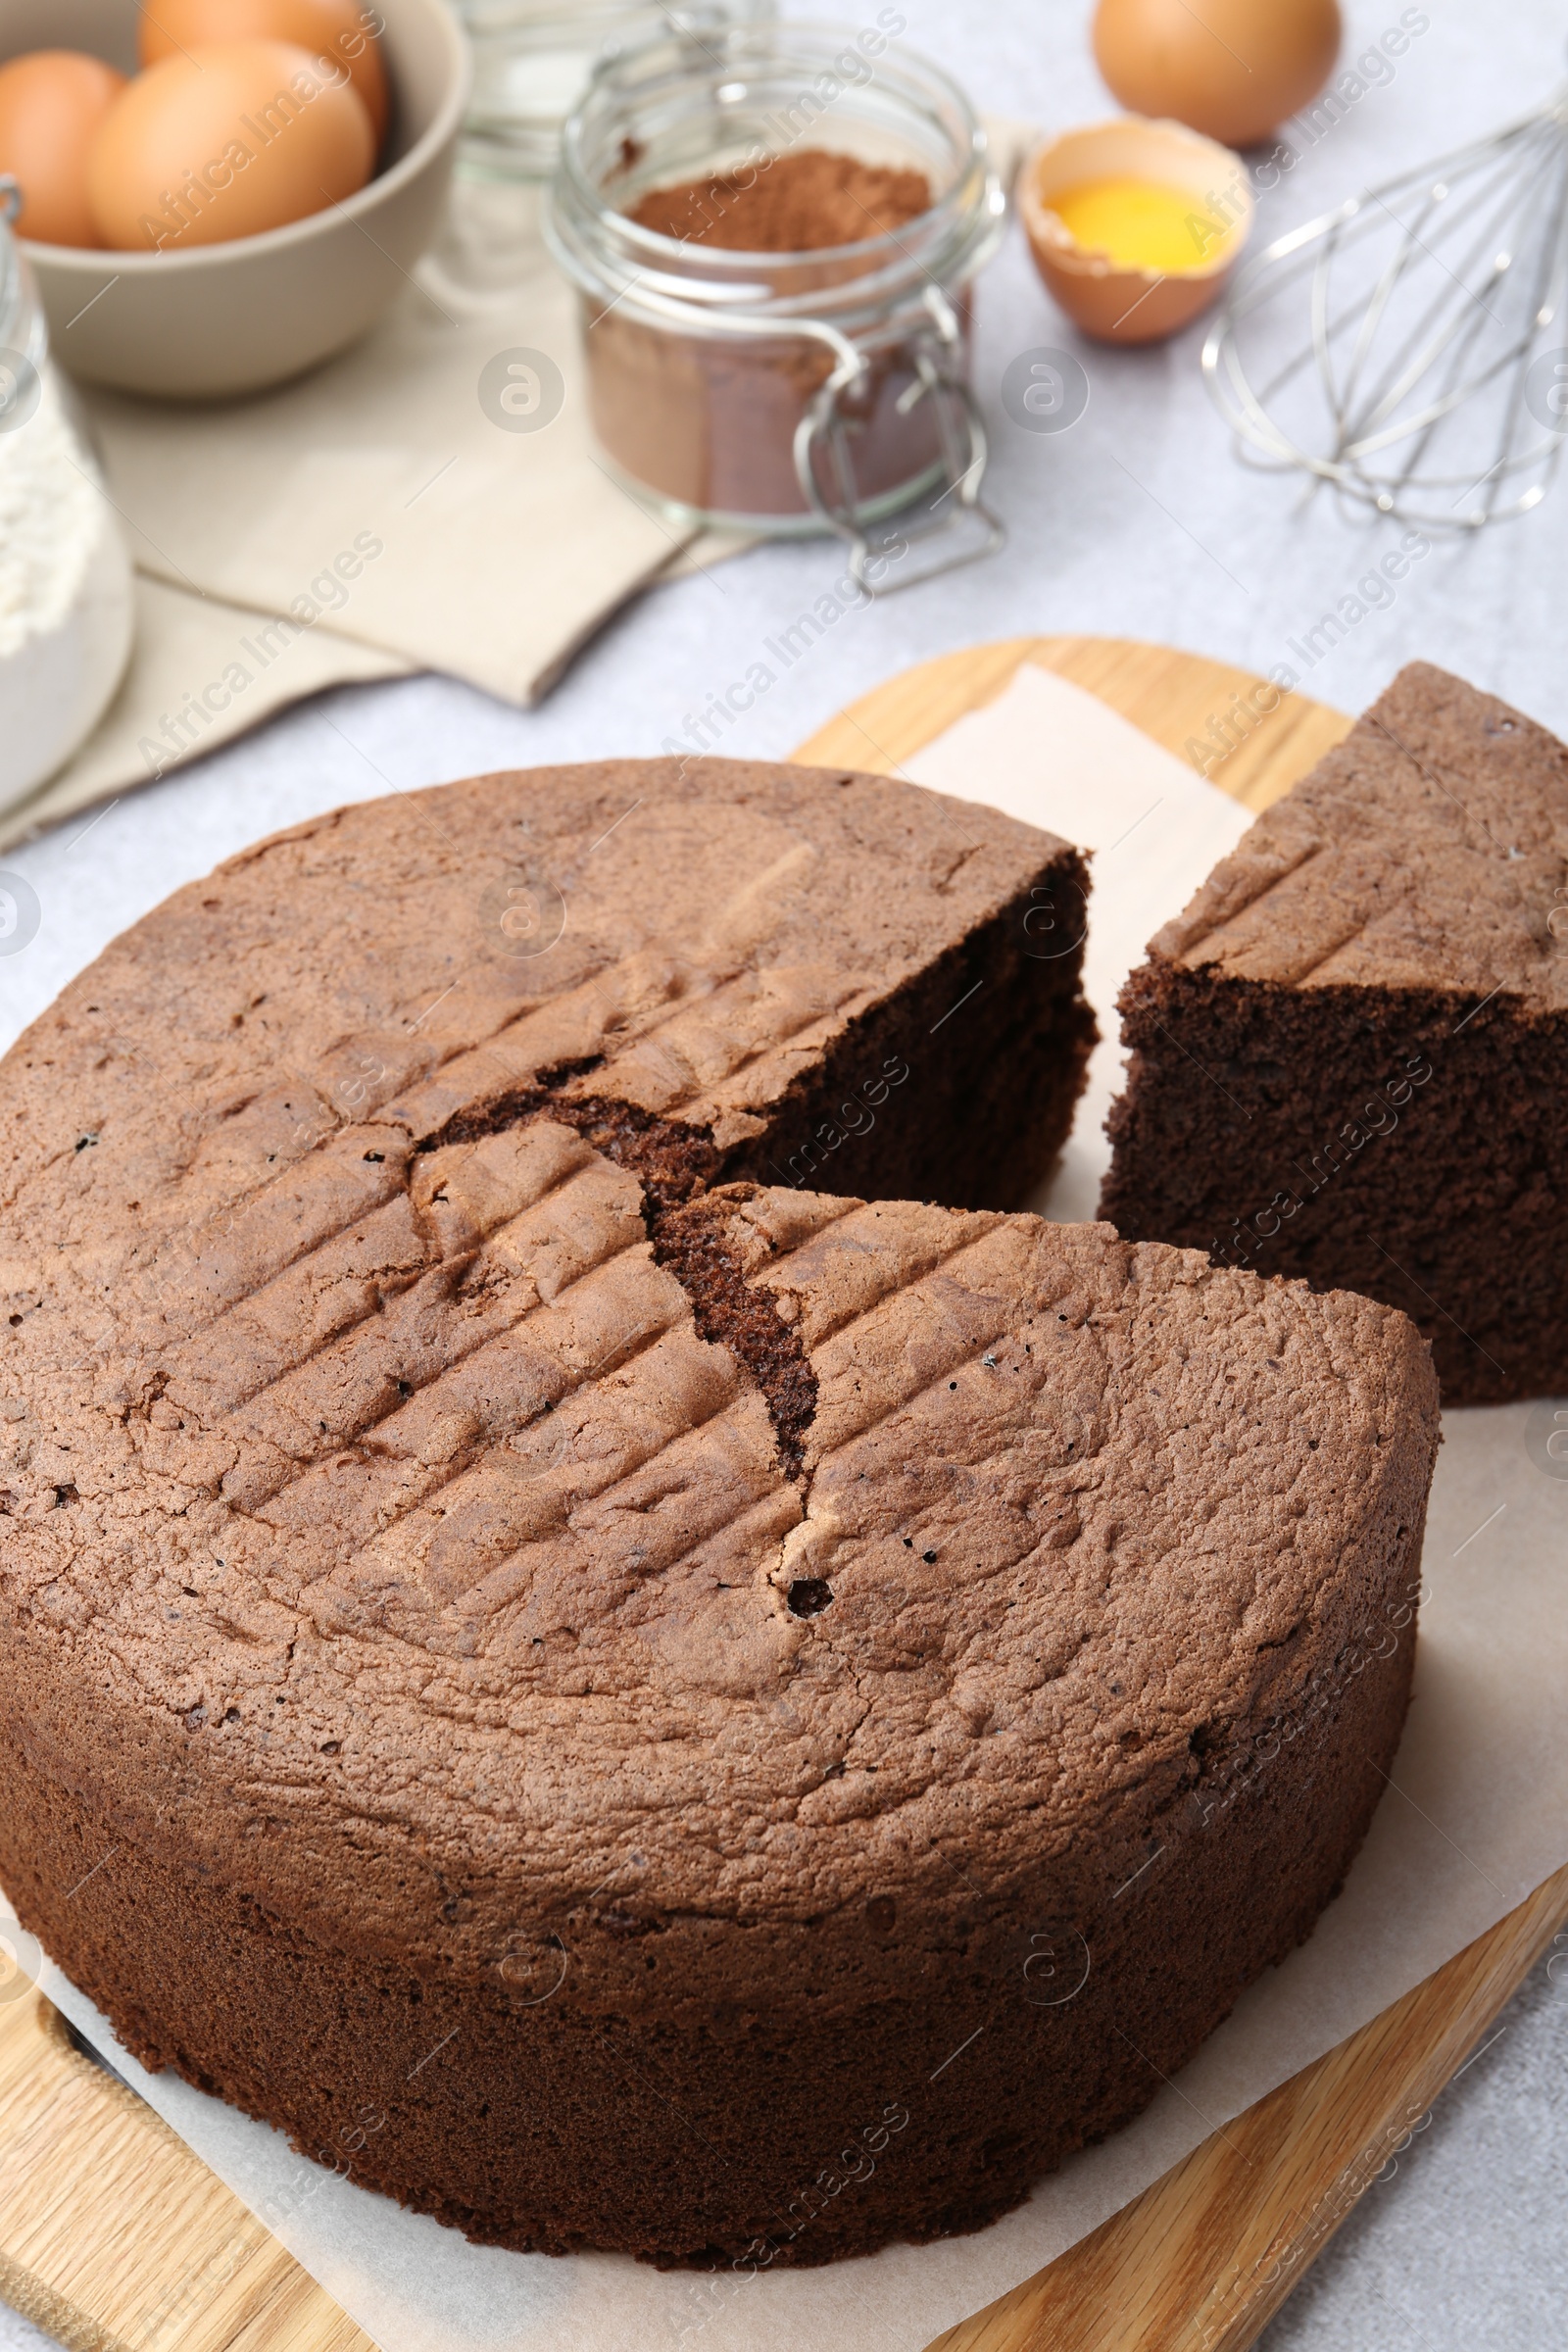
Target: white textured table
(1137, 522)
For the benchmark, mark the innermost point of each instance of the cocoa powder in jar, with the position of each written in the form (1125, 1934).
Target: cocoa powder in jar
(711, 420)
(804, 203)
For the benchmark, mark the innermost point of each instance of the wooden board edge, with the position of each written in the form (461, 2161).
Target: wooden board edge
(27, 2294)
(1251, 740)
(1201, 2259)
(1444, 2018)
(192, 2271)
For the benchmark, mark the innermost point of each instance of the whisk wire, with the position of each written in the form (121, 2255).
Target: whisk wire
(1427, 300)
(1401, 380)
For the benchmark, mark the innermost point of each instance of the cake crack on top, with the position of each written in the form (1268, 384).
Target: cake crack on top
(674, 1164)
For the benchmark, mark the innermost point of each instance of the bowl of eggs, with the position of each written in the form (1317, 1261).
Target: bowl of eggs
(215, 194)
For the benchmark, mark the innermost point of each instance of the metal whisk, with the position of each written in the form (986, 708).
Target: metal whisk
(1430, 384)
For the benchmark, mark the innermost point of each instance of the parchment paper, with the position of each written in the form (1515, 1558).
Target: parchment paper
(1476, 1815)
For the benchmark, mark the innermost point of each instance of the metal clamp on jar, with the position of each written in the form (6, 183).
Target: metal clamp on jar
(784, 392)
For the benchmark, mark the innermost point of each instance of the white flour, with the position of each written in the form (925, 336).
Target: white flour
(64, 597)
(51, 516)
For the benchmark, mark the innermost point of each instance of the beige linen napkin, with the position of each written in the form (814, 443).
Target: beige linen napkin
(410, 495)
(389, 512)
(190, 654)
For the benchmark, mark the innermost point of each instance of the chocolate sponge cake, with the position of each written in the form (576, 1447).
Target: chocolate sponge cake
(1349, 1053)
(637, 1701)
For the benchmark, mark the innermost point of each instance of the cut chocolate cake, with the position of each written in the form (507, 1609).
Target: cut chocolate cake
(1348, 1055)
(639, 1702)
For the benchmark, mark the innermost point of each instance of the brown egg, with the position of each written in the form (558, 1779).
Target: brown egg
(341, 30)
(1231, 69)
(225, 143)
(52, 104)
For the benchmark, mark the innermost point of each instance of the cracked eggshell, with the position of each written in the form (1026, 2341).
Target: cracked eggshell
(1115, 304)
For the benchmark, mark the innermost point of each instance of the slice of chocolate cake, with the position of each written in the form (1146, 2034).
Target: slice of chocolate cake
(1349, 1053)
(640, 1707)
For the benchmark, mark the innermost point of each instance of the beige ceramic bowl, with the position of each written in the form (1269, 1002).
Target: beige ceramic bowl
(1134, 305)
(224, 318)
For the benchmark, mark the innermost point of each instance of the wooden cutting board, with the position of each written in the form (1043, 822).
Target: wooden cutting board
(115, 2238)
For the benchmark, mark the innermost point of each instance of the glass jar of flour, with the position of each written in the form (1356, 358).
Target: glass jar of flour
(65, 576)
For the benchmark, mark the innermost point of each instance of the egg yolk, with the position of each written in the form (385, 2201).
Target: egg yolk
(1139, 224)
